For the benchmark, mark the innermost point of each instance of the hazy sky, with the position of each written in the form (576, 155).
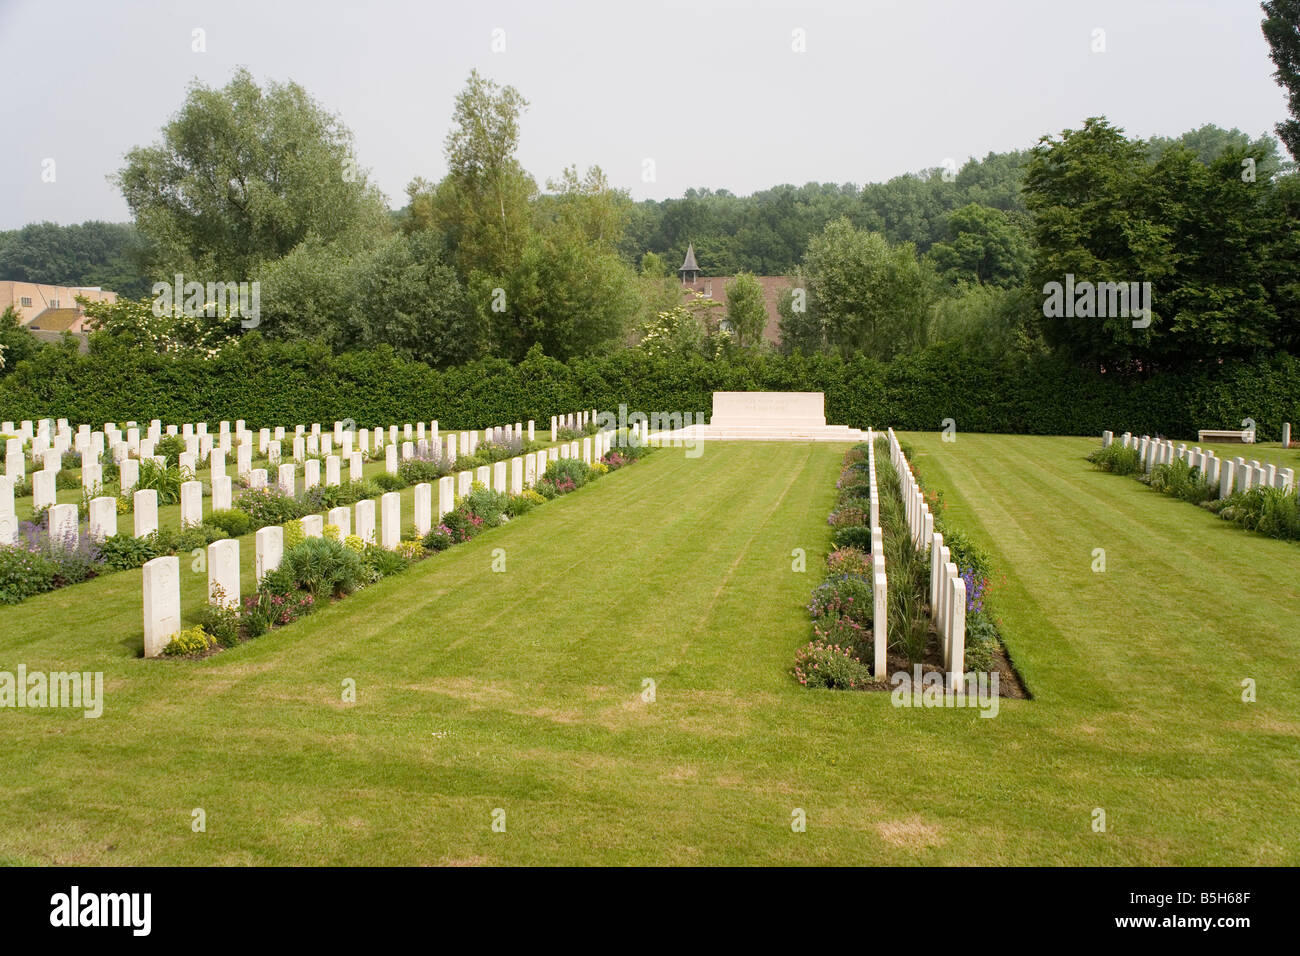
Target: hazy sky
(714, 93)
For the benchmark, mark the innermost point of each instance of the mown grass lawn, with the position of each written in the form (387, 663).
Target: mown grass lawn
(522, 691)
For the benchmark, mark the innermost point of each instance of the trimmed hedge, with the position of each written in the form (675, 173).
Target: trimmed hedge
(279, 383)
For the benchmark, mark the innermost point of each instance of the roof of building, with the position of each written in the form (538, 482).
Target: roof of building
(56, 320)
(689, 264)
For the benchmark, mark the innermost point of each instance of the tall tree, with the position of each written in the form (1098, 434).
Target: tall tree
(483, 204)
(1282, 30)
(746, 309)
(865, 294)
(242, 175)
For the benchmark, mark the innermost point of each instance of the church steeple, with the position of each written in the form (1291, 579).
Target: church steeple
(689, 266)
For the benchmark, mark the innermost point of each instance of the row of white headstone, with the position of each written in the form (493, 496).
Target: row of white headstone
(947, 587)
(161, 576)
(1228, 477)
(50, 442)
(879, 580)
(574, 421)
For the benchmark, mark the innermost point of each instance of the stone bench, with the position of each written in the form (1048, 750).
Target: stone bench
(1226, 435)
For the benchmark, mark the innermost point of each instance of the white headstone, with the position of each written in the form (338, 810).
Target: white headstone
(269, 542)
(221, 493)
(310, 474)
(223, 573)
(44, 489)
(423, 508)
(191, 503)
(313, 526)
(162, 602)
(446, 495)
(391, 503)
(145, 507)
(365, 512)
(356, 466)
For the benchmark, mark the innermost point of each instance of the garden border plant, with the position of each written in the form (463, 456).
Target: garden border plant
(840, 606)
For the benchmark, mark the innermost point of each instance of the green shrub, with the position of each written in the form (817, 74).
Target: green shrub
(818, 664)
(1179, 479)
(170, 447)
(235, 522)
(487, 504)
(845, 595)
(121, 552)
(268, 506)
(414, 471)
(220, 621)
(386, 482)
(381, 562)
(857, 537)
(567, 474)
(24, 572)
(1117, 459)
(164, 479)
(190, 642)
(965, 553)
(1266, 510)
(323, 567)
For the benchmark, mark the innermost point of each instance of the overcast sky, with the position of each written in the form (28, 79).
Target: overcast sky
(714, 94)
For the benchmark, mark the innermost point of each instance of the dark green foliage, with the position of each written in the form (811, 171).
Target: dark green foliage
(273, 383)
(233, 521)
(386, 482)
(1181, 481)
(170, 447)
(1117, 459)
(323, 567)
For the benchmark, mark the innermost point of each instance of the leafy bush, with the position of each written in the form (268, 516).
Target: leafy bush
(849, 561)
(24, 571)
(843, 596)
(220, 621)
(965, 553)
(386, 482)
(380, 562)
(164, 479)
(1179, 479)
(324, 497)
(268, 506)
(857, 537)
(413, 471)
(487, 504)
(121, 552)
(522, 504)
(567, 474)
(819, 664)
(323, 567)
(235, 522)
(170, 447)
(1117, 459)
(191, 642)
(1268, 511)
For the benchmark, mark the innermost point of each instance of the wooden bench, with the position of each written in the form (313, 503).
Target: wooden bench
(1225, 435)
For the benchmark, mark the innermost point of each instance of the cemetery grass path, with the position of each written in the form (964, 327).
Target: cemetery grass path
(523, 691)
